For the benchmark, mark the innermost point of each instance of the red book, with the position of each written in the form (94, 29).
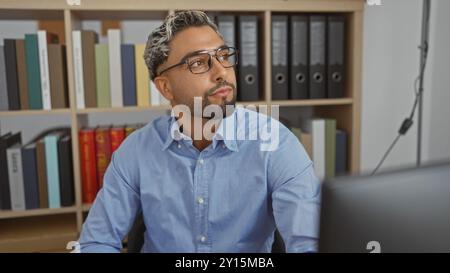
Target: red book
(117, 135)
(103, 149)
(88, 165)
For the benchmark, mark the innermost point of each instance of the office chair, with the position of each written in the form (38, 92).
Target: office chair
(136, 238)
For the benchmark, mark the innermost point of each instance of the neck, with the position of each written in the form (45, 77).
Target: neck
(200, 130)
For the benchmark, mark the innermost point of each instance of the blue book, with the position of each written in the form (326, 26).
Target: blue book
(128, 75)
(30, 176)
(51, 158)
(341, 153)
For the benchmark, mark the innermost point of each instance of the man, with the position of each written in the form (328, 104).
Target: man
(212, 193)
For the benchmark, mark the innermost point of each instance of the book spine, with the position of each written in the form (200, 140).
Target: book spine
(30, 177)
(33, 71)
(115, 67)
(4, 105)
(103, 153)
(88, 165)
(51, 157)
(142, 77)
(16, 186)
(117, 137)
(43, 65)
(102, 75)
(65, 172)
(78, 67)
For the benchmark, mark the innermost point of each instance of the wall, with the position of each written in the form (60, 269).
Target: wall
(392, 34)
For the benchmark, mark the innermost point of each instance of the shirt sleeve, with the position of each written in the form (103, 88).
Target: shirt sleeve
(115, 207)
(295, 195)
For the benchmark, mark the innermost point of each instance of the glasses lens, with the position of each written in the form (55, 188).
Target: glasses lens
(227, 56)
(199, 63)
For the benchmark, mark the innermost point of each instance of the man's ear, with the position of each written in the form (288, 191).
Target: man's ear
(163, 85)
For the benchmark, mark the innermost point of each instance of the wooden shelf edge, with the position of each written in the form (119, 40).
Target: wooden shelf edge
(86, 207)
(36, 212)
(16, 113)
(313, 102)
(122, 109)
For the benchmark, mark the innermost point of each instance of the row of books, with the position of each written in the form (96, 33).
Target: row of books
(112, 74)
(96, 148)
(326, 145)
(33, 73)
(38, 174)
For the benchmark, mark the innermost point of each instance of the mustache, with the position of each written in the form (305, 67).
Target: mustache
(220, 85)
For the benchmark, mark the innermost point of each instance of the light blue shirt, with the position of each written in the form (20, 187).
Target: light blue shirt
(229, 197)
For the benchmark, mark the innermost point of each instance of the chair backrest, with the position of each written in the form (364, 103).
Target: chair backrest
(136, 238)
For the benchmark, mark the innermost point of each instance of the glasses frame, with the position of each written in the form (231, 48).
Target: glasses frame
(211, 53)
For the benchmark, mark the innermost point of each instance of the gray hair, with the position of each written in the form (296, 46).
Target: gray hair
(157, 48)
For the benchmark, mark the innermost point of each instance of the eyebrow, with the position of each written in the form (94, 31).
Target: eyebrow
(200, 51)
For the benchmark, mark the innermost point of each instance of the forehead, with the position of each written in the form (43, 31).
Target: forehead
(193, 39)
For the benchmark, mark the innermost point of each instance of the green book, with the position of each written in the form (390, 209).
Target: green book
(102, 75)
(330, 148)
(33, 71)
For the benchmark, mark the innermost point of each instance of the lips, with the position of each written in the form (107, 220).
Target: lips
(221, 92)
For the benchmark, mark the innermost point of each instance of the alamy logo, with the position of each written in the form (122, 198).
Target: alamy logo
(373, 2)
(74, 246)
(73, 2)
(374, 246)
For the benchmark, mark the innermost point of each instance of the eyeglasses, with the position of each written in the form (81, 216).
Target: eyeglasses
(200, 61)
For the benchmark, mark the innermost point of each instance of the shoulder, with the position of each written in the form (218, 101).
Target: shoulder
(142, 142)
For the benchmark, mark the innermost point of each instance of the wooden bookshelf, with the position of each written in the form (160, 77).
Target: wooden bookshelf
(56, 112)
(51, 229)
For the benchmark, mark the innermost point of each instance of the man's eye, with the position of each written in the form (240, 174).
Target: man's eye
(197, 63)
(224, 57)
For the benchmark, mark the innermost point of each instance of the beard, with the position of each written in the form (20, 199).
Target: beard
(224, 105)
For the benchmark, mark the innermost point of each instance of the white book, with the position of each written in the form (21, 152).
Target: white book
(318, 136)
(115, 67)
(78, 67)
(43, 65)
(16, 185)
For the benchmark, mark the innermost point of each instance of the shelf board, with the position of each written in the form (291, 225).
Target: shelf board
(50, 233)
(313, 102)
(122, 109)
(231, 5)
(86, 207)
(17, 113)
(35, 212)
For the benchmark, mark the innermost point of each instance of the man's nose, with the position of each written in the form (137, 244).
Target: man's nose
(219, 72)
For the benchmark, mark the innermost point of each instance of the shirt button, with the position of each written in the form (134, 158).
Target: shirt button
(201, 161)
(200, 200)
(202, 239)
(223, 146)
(179, 145)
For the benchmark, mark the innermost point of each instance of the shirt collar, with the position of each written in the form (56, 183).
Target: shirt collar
(226, 133)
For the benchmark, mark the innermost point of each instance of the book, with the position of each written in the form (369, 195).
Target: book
(117, 135)
(51, 160)
(30, 176)
(15, 173)
(42, 173)
(45, 38)
(142, 77)
(103, 151)
(88, 165)
(102, 75)
(6, 141)
(115, 67)
(66, 182)
(58, 76)
(22, 74)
